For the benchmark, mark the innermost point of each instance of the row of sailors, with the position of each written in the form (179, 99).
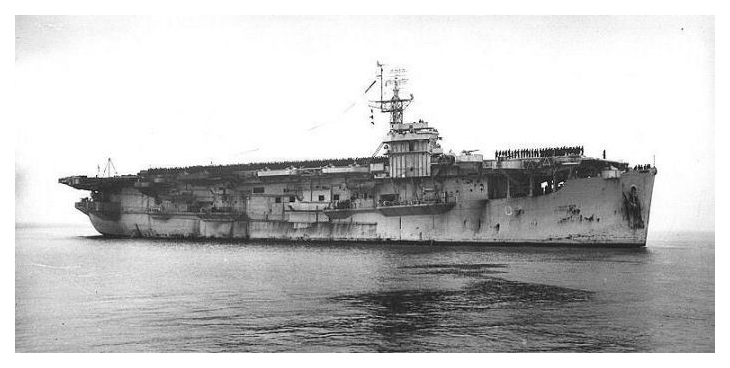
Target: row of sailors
(270, 165)
(540, 152)
(642, 167)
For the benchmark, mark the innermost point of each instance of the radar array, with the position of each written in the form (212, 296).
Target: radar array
(395, 105)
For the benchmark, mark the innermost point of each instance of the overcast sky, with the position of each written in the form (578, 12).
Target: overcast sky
(180, 91)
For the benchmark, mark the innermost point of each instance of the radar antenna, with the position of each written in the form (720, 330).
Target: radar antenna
(395, 105)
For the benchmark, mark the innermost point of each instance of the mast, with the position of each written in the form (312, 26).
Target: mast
(395, 105)
(381, 80)
(108, 169)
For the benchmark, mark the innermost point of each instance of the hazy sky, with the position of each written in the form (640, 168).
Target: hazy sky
(180, 91)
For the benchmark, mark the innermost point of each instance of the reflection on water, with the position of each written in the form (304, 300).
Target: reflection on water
(474, 270)
(397, 316)
(94, 294)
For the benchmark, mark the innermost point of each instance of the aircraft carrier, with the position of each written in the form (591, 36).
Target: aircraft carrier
(410, 190)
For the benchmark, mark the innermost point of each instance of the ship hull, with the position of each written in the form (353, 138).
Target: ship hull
(587, 211)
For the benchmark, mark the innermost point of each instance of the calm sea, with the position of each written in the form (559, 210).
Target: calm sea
(76, 292)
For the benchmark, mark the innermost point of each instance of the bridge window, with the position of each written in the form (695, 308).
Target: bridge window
(321, 198)
(335, 197)
(258, 189)
(278, 200)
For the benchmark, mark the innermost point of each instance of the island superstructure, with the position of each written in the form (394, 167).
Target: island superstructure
(413, 192)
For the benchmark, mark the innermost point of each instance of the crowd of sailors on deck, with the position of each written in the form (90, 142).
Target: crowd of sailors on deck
(276, 165)
(642, 167)
(539, 152)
